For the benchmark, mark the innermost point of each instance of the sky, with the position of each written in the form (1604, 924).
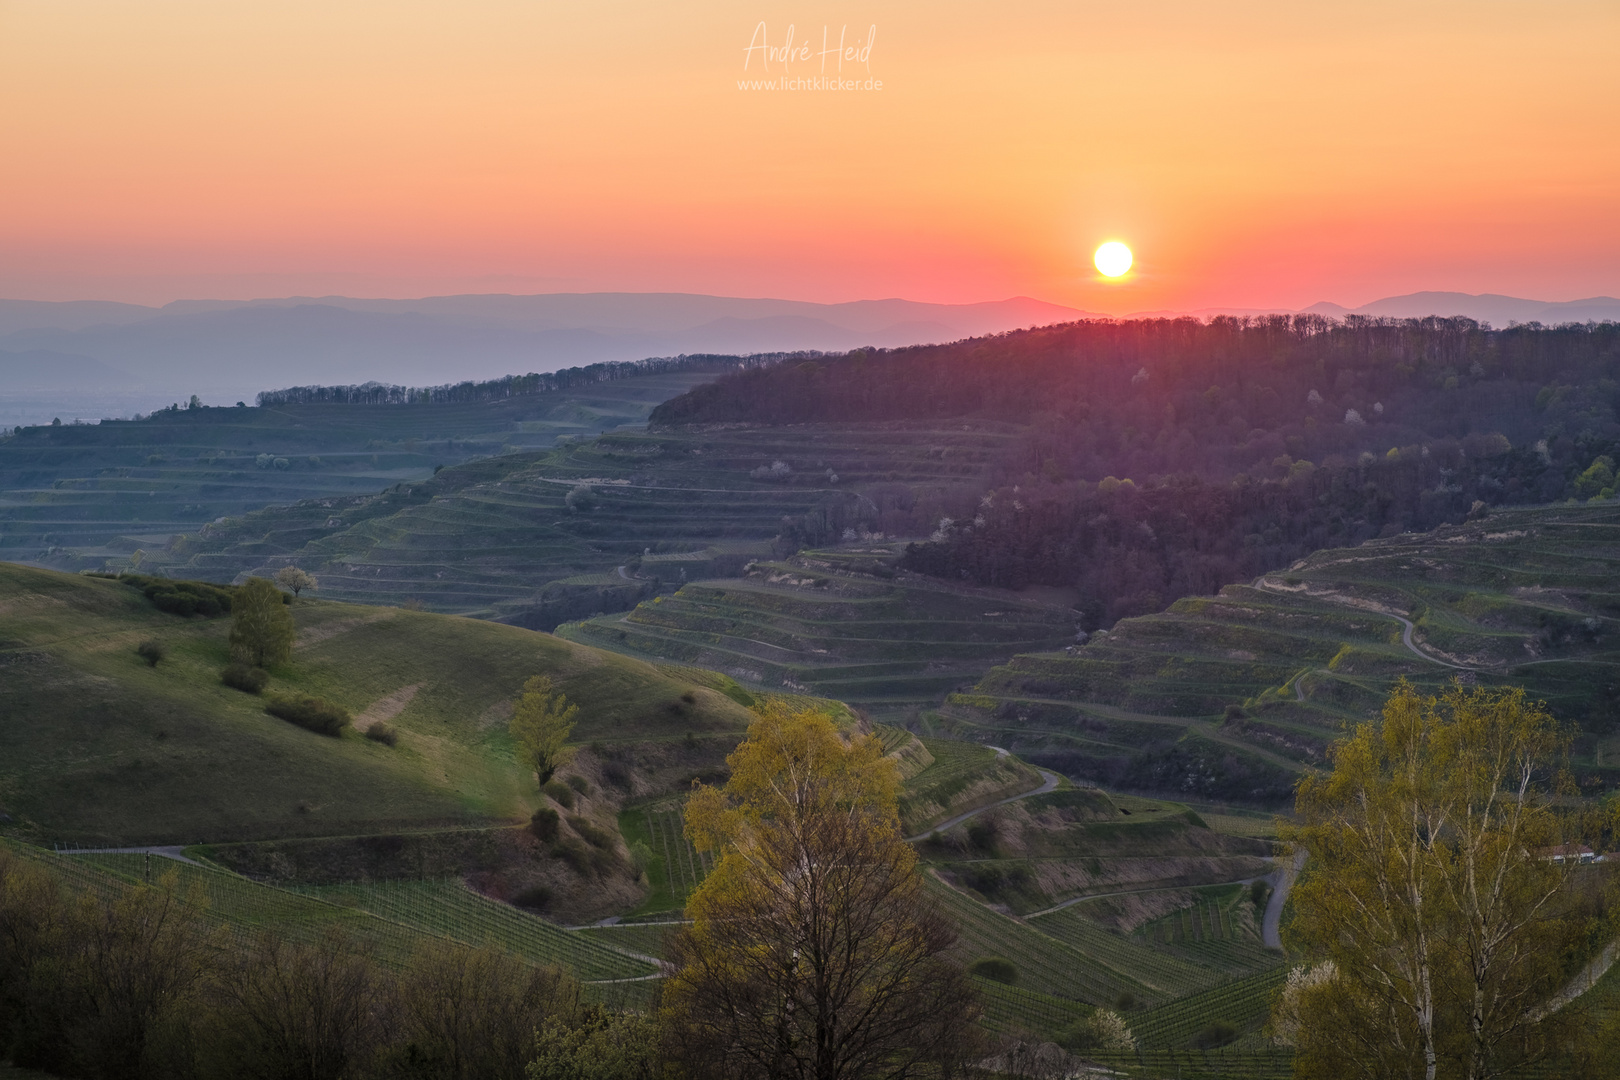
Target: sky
(1250, 153)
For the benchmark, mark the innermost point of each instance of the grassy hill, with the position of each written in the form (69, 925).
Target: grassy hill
(1228, 696)
(840, 623)
(104, 750)
(77, 495)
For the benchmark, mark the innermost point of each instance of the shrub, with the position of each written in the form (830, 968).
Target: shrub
(316, 714)
(580, 498)
(591, 832)
(183, 597)
(535, 898)
(381, 732)
(544, 824)
(560, 793)
(245, 677)
(617, 773)
(1258, 892)
(995, 969)
(580, 784)
(1218, 1033)
(151, 651)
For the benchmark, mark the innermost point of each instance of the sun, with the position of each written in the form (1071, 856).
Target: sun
(1112, 259)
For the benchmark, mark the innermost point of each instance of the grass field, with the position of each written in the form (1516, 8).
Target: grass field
(103, 749)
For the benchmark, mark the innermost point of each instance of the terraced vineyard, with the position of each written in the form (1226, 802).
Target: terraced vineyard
(451, 910)
(388, 921)
(508, 538)
(78, 495)
(838, 623)
(675, 867)
(1228, 697)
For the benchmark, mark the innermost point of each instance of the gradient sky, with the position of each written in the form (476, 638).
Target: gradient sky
(1252, 154)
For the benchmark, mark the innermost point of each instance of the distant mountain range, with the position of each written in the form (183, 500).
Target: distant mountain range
(235, 348)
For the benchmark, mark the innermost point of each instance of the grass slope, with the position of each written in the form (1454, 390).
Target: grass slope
(1228, 697)
(101, 748)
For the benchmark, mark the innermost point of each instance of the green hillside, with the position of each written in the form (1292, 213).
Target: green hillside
(166, 754)
(840, 623)
(1227, 697)
(77, 495)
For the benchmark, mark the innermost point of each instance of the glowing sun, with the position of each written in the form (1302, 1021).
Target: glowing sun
(1112, 259)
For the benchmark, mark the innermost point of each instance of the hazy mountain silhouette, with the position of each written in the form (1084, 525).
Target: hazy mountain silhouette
(1488, 307)
(243, 346)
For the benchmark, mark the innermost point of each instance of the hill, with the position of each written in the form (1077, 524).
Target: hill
(74, 495)
(515, 538)
(1227, 697)
(840, 623)
(104, 750)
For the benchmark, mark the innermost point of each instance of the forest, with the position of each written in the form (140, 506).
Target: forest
(1164, 458)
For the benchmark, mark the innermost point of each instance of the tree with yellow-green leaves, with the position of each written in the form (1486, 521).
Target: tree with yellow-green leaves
(1438, 906)
(542, 721)
(812, 951)
(262, 628)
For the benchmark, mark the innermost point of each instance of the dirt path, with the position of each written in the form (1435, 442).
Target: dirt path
(386, 707)
(1264, 584)
(1052, 780)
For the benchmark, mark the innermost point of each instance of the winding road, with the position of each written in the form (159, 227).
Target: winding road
(1052, 780)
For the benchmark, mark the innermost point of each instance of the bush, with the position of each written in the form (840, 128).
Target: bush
(246, 678)
(151, 651)
(592, 833)
(560, 793)
(996, 969)
(1259, 892)
(381, 732)
(544, 824)
(183, 597)
(1218, 1033)
(580, 784)
(315, 714)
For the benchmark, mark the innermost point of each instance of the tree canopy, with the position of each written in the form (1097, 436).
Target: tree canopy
(812, 951)
(1442, 900)
(542, 720)
(262, 628)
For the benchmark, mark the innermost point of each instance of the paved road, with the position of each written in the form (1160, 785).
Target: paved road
(171, 851)
(1052, 781)
(1271, 925)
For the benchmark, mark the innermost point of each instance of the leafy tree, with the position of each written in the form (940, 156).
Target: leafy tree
(542, 720)
(598, 1045)
(261, 626)
(295, 580)
(1433, 893)
(812, 952)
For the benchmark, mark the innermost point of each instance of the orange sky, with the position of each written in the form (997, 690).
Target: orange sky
(1251, 153)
